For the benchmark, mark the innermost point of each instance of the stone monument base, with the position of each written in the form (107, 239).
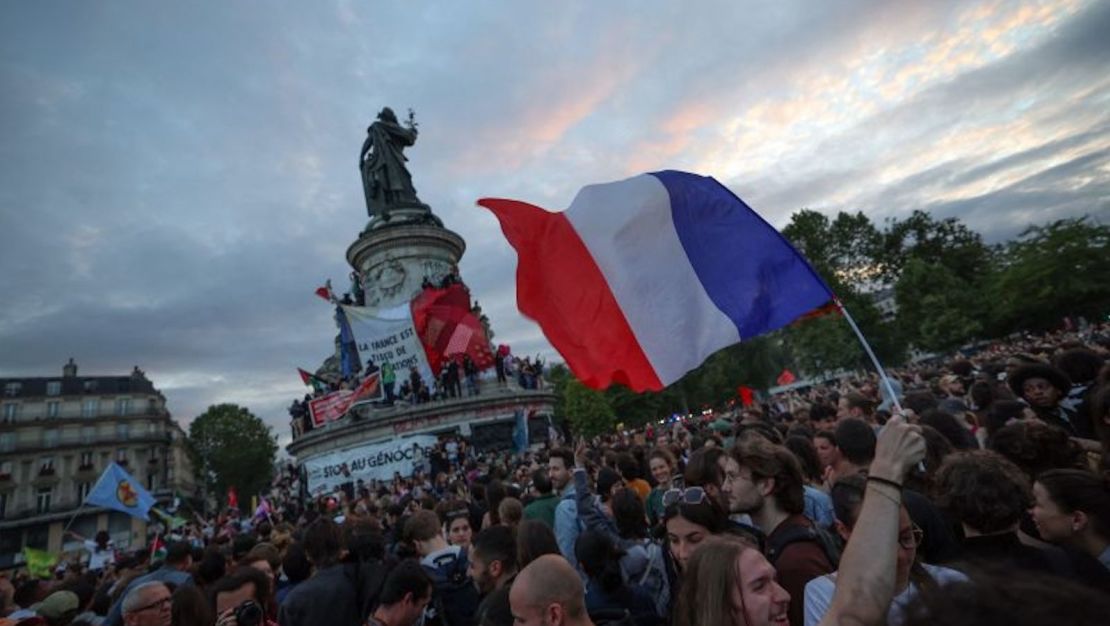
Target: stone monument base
(395, 258)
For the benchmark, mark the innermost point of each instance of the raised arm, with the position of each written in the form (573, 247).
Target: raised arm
(865, 581)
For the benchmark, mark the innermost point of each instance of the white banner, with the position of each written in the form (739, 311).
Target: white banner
(388, 335)
(379, 460)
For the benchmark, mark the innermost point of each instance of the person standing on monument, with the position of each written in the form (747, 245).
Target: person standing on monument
(389, 378)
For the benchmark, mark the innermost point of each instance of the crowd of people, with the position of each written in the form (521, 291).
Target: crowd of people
(972, 491)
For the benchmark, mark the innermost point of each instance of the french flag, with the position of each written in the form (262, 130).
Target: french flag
(640, 280)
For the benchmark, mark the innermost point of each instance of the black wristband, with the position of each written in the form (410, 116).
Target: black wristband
(885, 481)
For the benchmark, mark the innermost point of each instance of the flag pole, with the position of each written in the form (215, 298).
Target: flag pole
(71, 518)
(870, 353)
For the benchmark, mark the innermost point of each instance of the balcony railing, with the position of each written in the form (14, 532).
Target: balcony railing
(69, 441)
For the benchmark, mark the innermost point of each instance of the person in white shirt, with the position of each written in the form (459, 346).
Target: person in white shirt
(101, 549)
(911, 575)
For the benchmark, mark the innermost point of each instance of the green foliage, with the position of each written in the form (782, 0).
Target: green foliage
(232, 447)
(1049, 272)
(587, 409)
(938, 310)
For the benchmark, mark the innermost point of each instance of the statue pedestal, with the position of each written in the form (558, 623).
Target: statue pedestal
(394, 259)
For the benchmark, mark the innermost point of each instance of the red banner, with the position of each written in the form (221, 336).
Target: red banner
(334, 405)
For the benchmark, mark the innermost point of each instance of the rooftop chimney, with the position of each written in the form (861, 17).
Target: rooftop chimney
(69, 370)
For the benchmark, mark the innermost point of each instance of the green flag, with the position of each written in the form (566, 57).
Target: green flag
(172, 521)
(39, 562)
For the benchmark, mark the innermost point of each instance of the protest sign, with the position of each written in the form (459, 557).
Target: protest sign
(379, 460)
(388, 336)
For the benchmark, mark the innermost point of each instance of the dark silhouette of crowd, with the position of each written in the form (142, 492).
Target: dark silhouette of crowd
(983, 499)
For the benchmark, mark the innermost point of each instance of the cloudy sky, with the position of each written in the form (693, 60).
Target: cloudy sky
(177, 178)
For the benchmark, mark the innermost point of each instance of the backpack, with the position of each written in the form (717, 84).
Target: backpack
(454, 597)
(828, 543)
(653, 577)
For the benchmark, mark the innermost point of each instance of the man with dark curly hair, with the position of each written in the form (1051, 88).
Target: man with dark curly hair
(986, 494)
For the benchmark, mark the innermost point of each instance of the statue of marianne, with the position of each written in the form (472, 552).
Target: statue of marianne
(385, 179)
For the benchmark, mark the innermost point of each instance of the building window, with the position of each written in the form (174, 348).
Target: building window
(5, 470)
(90, 408)
(83, 490)
(123, 406)
(90, 385)
(150, 481)
(86, 460)
(121, 456)
(7, 442)
(54, 388)
(53, 408)
(50, 438)
(11, 411)
(43, 497)
(88, 434)
(11, 390)
(46, 465)
(123, 430)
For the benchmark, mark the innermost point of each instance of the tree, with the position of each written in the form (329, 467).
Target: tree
(232, 447)
(587, 409)
(1049, 272)
(938, 310)
(948, 243)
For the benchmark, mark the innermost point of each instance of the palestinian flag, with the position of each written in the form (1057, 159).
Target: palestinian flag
(317, 383)
(157, 549)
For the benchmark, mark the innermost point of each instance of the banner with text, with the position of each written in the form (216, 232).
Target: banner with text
(334, 405)
(380, 460)
(388, 335)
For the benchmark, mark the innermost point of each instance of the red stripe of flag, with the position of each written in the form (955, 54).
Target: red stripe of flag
(559, 285)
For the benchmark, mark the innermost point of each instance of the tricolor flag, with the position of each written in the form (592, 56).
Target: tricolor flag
(640, 280)
(157, 549)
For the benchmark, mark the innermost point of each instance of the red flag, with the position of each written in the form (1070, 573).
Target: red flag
(447, 327)
(746, 395)
(786, 377)
(325, 291)
(232, 498)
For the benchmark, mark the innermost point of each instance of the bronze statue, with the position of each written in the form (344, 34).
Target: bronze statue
(385, 179)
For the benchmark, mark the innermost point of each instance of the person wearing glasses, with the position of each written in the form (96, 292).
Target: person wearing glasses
(147, 604)
(911, 575)
(690, 517)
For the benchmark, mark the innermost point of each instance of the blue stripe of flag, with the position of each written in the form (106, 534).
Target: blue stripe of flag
(751, 273)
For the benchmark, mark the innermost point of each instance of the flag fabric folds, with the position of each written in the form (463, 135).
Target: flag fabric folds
(640, 280)
(117, 490)
(318, 384)
(520, 431)
(39, 562)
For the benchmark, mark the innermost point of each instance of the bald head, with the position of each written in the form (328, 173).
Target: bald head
(548, 590)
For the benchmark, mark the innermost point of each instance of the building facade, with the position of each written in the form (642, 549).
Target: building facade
(58, 434)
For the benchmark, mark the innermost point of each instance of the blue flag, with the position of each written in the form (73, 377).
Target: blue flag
(520, 432)
(348, 352)
(117, 490)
